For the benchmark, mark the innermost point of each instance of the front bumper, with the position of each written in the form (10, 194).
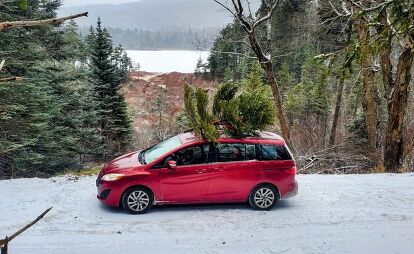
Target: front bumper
(293, 192)
(109, 193)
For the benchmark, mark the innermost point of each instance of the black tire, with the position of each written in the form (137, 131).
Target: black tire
(264, 197)
(137, 200)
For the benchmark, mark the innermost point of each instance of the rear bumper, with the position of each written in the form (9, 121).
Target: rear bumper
(293, 192)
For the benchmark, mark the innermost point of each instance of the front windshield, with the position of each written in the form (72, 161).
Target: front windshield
(157, 151)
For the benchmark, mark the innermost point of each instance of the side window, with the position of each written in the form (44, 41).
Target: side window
(273, 152)
(230, 152)
(192, 155)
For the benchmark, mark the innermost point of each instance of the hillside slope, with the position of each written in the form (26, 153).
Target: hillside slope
(143, 89)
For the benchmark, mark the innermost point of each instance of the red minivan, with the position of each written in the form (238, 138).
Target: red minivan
(183, 169)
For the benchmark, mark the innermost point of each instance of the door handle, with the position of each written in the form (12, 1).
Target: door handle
(201, 171)
(218, 169)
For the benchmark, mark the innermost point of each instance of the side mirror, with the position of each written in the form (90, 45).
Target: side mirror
(172, 165)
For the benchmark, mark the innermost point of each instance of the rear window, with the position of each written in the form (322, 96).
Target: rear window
(273, 152)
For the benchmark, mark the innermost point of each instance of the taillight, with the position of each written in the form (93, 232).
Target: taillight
(291, 171)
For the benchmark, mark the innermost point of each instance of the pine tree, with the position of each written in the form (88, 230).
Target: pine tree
(41, 116)
(285, 78)
(113, 117)
(197, 110)
(199, 67)
(239, 108)
(247, 107)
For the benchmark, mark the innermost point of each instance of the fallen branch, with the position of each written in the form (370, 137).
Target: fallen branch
(11, 79)
(30, 23)
(4, 242)
(310, 164)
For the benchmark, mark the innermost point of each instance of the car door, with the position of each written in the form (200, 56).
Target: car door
(188, 182)
(232, 173)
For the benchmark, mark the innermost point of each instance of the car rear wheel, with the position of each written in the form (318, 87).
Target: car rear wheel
(263, 197)
(137, 200)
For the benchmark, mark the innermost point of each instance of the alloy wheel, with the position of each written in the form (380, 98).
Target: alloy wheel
(264, 198)
(138, 200)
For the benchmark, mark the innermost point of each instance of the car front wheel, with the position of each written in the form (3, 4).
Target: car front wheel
(263, 197)
(137, 200)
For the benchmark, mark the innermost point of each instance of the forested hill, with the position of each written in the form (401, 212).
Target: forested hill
(188, 39)
(157, 24)
(154, 14)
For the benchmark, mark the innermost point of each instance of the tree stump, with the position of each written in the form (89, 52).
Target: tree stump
(4, 245)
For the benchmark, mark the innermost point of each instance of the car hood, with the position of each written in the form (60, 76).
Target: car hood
(122, 163)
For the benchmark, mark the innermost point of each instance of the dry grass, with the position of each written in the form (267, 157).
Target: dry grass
(90, 171)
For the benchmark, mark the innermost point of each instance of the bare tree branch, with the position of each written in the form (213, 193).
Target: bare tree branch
(3, 241)
(363, 9)
(11, 79)
(248, 7)
(378, 7)
(339, 14)
(2, 64)
(234, 53)
(240, 15)
(226, 7)
(268, 16)
(31, 23)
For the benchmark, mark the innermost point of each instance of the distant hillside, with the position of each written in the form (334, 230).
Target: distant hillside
(155, 15)
(174, 39)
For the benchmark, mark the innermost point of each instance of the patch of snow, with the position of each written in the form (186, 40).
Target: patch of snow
(166, 61)
(331, 214)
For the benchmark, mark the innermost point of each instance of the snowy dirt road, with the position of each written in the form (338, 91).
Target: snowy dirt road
(332, 214)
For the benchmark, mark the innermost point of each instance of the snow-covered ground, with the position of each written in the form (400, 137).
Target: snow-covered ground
(332, 214)
(166, 61)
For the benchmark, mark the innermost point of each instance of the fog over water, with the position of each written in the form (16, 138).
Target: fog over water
(167, 60)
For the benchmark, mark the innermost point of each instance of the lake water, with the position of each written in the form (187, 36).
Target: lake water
(167, 60)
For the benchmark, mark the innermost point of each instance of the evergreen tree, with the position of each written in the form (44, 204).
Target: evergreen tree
(249, 110)
(44, 118)
(227, 52)
(196, 107)
(113, 117)
(309, 99)
(285, 79)
(122, 63)
(53, 111)
(239, 108)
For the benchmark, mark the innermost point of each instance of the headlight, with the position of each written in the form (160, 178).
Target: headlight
(112, 177)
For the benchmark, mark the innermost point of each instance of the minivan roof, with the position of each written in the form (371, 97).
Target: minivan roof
(188, 137)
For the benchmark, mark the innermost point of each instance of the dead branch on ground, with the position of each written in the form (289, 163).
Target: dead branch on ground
(11, 79)
(4, 242)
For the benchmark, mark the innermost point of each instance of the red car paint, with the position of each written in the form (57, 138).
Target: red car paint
(210, 182)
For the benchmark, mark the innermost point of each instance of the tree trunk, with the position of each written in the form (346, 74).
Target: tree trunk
(397, 98)
(370, 93)
(267, 66)
(4, 248)
(396, 93)
(337, 111)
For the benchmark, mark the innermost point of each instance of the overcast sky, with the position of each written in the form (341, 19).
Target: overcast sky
(88, 2)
